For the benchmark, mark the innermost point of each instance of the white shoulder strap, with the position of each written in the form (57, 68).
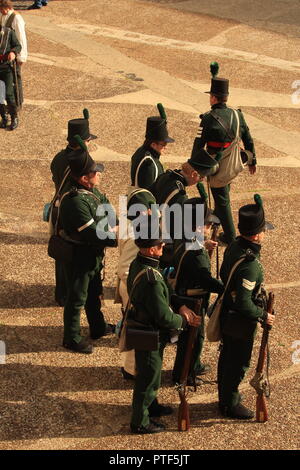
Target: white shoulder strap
(147, 157)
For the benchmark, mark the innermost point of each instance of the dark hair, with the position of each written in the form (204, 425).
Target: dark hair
(221, 99)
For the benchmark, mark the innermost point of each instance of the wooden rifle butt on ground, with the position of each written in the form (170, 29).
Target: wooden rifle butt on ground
(183, 412)
(259, 382)
(261, 409)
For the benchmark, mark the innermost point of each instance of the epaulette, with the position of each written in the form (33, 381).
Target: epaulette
(250, 256)
(151, 276)
(204, 114)
(73, 192)
(180, 186)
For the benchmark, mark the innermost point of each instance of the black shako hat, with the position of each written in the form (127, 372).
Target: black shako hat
(80, 127)
(202, 162)
(252, 218)
(147, 231)
(156, 130)
(219, 87)
(81, 163)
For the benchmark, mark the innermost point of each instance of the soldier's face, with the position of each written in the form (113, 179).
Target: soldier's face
(4, 10)
(160, 147)
(94, 179)
(157, 250)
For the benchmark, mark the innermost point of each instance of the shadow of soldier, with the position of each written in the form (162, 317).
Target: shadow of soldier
(21, 339)
(10, 238)
(16, 295)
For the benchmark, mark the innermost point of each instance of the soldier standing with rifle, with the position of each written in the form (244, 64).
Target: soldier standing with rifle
(193, 278)
(217, 131)
(9, 48)
(241, 308)
(10, 19)
(150, 301)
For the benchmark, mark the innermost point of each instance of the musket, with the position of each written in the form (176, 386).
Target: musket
(259, 382)
(214, 237)
(14, 69)
(183, 412)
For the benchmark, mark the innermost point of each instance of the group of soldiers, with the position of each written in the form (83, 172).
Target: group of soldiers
(13, 53)
(164, 262)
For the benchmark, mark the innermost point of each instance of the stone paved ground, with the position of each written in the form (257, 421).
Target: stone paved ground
(118, 59)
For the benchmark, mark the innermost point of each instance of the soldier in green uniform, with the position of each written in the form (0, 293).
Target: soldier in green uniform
(241, 309)
(60, 163)
(63, 181)
(9, 48)
(216, 131)
(81, 220)
(145, 162)
(150, 300)
(192, 277)
(139, 201)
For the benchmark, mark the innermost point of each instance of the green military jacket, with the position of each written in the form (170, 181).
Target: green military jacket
(58, 167)
(214, 136)
(145, 167)
(245, 284)
(8, 43)
(79, 219)
(194, 271)
(169, 189)
(150, 297)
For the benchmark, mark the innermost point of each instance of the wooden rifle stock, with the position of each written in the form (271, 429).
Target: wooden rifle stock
(214, 237)
(183, 412)
(259, 382)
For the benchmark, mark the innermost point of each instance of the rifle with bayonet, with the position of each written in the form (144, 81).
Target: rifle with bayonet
(183, 412)
(259, 382)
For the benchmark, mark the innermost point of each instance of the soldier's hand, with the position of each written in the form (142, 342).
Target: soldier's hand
(11, 56)
(270, 319)
(189, 315)
(210, 245)
(252, 169)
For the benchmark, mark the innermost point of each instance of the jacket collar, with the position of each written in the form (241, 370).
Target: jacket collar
(148, 260)
(153, 152)
(219, 106)
(245, 244)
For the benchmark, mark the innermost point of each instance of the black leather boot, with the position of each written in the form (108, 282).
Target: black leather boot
(4, 116)
(12, 109)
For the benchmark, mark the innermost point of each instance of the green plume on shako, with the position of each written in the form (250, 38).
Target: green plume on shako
(214, 69)
(161, 110)
(86, 113)
(201, 191)
(80, 142)
(258, 200)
